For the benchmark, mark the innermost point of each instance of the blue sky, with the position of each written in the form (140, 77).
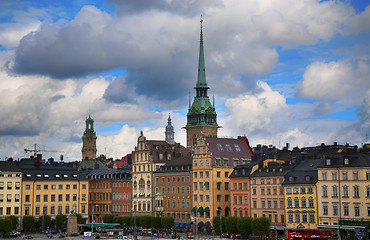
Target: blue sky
(281, 71)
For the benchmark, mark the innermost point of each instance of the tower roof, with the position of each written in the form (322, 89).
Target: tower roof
(201, 82)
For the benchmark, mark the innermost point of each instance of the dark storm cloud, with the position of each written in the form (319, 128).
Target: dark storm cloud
(22, 130)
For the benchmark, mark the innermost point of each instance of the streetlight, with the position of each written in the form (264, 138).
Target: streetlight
(219, 209)
(196, 223)
(133, 213)
(92, 220)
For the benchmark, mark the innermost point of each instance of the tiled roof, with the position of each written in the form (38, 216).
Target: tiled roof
(51, 173)
(243, 170)
(304, 172)
(345, 160)
(178, 164)
(162, 147)
(110, 174)
(272, 171)
(229, 148)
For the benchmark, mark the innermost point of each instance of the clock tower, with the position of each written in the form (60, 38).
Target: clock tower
(201, 117)
(89, 140)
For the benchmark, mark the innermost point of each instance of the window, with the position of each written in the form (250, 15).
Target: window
(335, 191)
(17, 197)
(61, 186)
(246, 200)
(83, 197)
(275, 205)
(45, 198)
(218, 174)
(218, 198)
(236, 162)
(289, 203)
(68, 197)
(227, 197)
(228, 147)
(324, 191)
(324, 176)
(52, 198)
(254, 204)
(355, 175)
(235, 200)
(295, 190)
(195, 176)
(2, 185)
(219, 146)
(237, 148)
(345, 191)
(345, 209)
(304, 217)
(38, 198)
(288, 190)
(207, 174)
(68, 186)
(218, 161)
(334, 176)
(303, 190)
(8, 197)
(195, 198)
(263, 204)
(368, 191)
(46, 187)
(60, 198)
(311, 203)
(27, 198)
(335, 209)
(297, 217)
(226, 162)
(303, 202)
(356, 191)
(240, 186)
(345, 176)
(227, 186)
(309, 190)
(357, 210)
(296, 202)
(312, 217)
(83, 186)
(367, 175)
(325, 208)
(290, 217)
(9, 185)
(28, 187)
(17, 185)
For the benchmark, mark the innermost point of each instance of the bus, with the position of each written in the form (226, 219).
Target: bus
(305, 234)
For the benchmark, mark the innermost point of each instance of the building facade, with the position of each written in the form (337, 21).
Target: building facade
(10, 189)
(52, 190)
(240, 189)
(301, 195)
(213, 162)
(267, 194)
(173, 190)
(122, 191)
(149, 156)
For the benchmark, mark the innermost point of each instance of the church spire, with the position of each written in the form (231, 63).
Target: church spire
(170, 133)
(201, 82)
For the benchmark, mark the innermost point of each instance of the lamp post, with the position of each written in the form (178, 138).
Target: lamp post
(92, 220)
(196, 222)
(220, 222)
(133, 213)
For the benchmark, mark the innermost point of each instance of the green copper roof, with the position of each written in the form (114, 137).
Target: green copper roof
(89, 130)
(201, 111)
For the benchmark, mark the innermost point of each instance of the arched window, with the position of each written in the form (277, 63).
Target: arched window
(303, 202)
(135, 185)
(128, 195)
(289, 203)
(141, 185)
(124, 196)
(311, 203)
(148, 185)
(296, 202)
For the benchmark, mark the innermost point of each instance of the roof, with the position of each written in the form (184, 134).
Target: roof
(178, 164)
(162, 147)
(51, 173)
(272, 171)
(230, 147)
(304, 172)
(9, 166)
(110, 174)
(243, 170)
(342, 160)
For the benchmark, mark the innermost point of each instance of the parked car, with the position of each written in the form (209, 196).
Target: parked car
(15, 234)
(190, 235)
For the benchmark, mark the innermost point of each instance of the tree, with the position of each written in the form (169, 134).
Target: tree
(231, 224)
(80, 219)
(6, 226)
(28, 223)
(216, 223)
(47, 221)
(108, 218)
(61, 220)
(146, 221)
(14, 220)
(168, 222)
(157, 222)
(245, 226)
(261, 226)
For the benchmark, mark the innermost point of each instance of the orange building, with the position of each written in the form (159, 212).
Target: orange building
(173, 190)
(240, 189)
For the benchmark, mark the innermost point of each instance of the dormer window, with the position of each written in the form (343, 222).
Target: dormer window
(38, 175)
(57, 175)
(346, 161)
(291, 179)
(308, 178)
(75, 175)
(28, 175)
(65, 175)
(328, 162)
(220, 148)
(46, 175)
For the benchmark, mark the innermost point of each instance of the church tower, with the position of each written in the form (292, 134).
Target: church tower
(89, 140)
(170, 133)
(201, 117)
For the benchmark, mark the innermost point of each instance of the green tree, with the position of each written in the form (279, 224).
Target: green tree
(80, 219)
(168, 222)
(245, 226)
(14, 220)
(146, 221)
(61, 220)
(47, 221)
(6, 226)
(157, 222)
(108, 218)
(231, 224)
(28, 223)
(216, 223)
(261, 226)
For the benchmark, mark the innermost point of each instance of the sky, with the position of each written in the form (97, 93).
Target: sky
(288, 71)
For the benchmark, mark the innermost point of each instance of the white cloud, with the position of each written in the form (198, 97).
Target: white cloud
(358, 23)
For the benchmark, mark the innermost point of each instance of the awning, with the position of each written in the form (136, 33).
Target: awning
(194, 209)
(177, 224)
(200, 209)
(182, 224)
(345, 227)
(207, 209)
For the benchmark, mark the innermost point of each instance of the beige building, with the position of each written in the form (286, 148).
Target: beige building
(10, 188)
(344, 189)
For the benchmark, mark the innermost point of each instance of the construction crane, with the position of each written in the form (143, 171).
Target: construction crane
(35, 150)
(106, 154)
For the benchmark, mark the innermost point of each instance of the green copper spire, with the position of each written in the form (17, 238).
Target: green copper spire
(201, 82)
(89, 130)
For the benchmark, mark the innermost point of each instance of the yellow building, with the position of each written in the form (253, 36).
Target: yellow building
(301, 209)
(10, 188)
(214, 160)
(52, 190)
(344, 189)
